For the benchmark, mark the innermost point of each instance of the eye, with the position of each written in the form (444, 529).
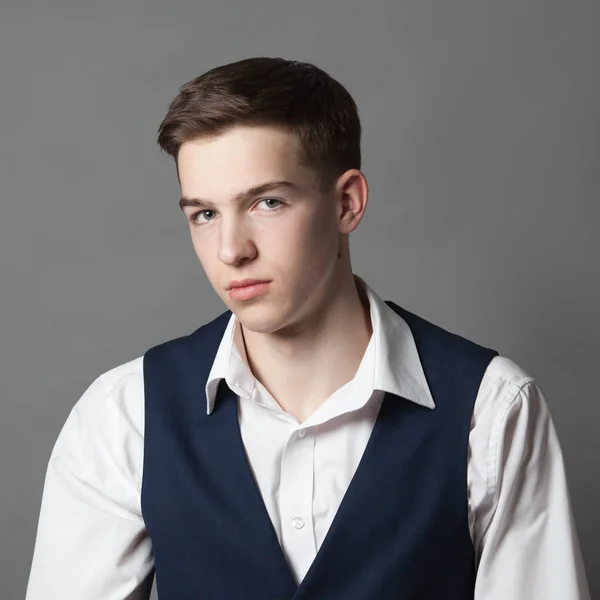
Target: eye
(194, 216)
(271, 200)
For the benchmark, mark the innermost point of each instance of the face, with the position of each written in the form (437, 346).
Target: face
(288, 235)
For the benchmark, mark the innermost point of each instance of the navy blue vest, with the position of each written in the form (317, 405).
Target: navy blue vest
(401, 531)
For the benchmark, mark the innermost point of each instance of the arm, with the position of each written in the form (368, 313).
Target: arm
(529, 548)
(91, 542)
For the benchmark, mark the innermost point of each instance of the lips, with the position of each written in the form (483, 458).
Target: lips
(245, 283)
(248, 292)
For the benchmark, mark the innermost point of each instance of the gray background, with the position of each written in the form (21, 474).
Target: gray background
(481, 145)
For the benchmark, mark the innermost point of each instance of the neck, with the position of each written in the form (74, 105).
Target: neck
(319, 356)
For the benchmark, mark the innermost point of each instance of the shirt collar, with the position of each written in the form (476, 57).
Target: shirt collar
(396, 365)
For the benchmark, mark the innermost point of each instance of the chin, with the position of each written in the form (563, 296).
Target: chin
(259, 318)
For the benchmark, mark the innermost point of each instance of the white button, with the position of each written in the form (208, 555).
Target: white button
(302, 433)
(298, 523)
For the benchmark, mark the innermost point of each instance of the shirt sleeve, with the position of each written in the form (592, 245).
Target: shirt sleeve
(530, 547)
(91, 541)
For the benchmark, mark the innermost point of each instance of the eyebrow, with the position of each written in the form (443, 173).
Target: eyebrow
(253, 191)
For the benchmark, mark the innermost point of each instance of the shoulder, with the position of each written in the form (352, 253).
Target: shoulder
(510, 416)
(115, 394)
(106, 423)
(505, 386)
(505, 371)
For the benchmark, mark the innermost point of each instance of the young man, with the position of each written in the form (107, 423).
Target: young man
(313, 441)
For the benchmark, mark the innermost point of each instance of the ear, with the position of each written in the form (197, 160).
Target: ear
(352, 195)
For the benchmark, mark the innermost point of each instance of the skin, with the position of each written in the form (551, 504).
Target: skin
(313, 323)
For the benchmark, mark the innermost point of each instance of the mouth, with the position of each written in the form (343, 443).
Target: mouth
(248, 291)
(245, 283)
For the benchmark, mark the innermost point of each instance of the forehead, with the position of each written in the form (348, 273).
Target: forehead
(239, 159)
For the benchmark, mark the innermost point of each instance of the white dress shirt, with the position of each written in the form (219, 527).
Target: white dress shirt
(91, 540)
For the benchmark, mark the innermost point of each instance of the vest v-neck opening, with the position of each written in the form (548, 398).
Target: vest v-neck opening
(346, 498)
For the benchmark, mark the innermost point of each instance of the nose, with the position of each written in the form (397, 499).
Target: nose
(235, 243)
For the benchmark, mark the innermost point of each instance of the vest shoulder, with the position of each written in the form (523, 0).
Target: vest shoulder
(428, 332)
(179, 358)
(208, 331)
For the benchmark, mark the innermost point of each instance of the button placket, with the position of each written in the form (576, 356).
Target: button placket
(296, 498)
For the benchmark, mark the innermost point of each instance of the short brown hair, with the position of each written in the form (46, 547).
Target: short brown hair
(296, 96)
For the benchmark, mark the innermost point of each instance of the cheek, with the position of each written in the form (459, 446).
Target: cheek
(316, 234)
(322, 234)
